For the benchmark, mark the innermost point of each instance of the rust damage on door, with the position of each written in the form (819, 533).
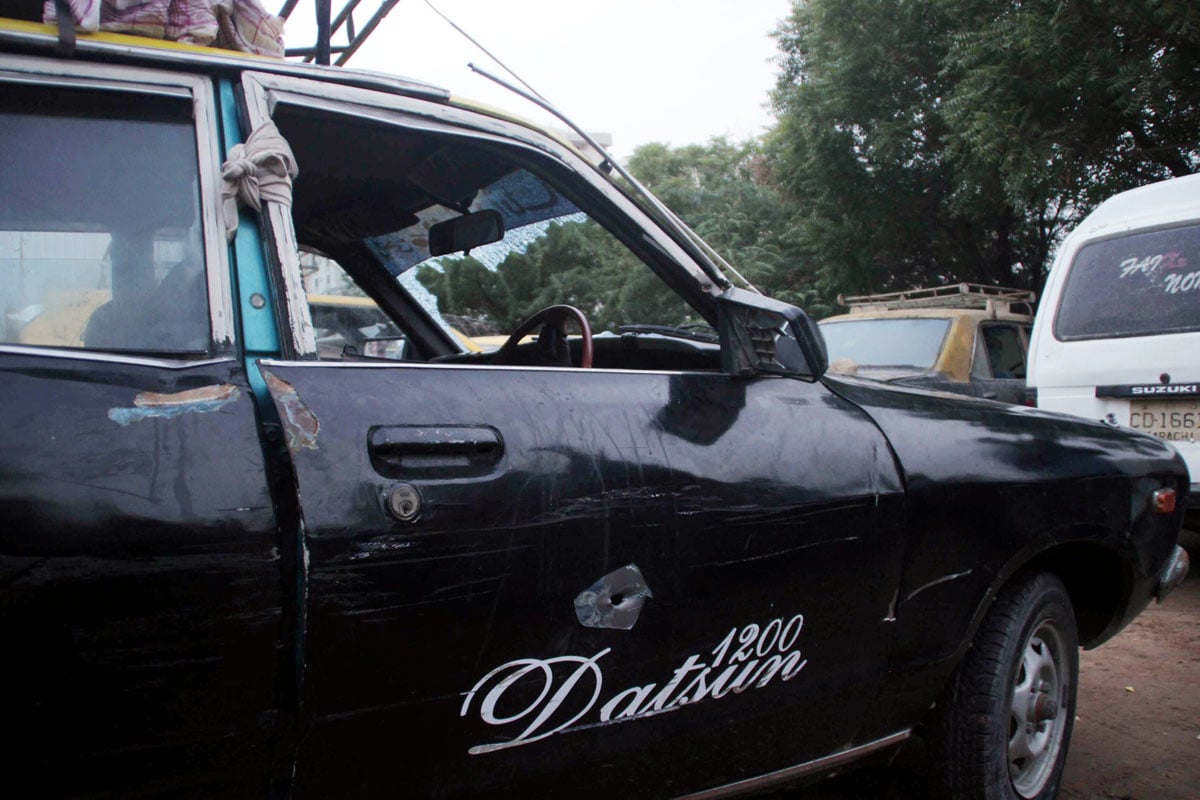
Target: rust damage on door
(299, 423)
(147, 405)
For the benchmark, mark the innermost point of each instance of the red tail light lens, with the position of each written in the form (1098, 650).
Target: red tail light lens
(1163, 501)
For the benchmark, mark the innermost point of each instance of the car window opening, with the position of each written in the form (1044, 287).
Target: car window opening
(1133, 285)
(100, 224)
(373, 202)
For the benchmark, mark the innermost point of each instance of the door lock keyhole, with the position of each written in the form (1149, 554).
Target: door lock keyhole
(404, 502)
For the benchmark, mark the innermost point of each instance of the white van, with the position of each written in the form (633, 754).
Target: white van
(1117, 336)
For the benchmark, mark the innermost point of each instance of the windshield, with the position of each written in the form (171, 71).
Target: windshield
(886, 342)
(1137, 285)
(522, 200)
(551, 252)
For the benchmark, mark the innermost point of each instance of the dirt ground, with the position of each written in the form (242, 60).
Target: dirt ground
(1137, 727)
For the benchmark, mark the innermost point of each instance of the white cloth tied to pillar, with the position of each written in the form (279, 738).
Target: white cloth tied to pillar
(260, 170)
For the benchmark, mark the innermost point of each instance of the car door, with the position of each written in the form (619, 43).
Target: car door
(464, 527)
(140, 601)
(545, 580)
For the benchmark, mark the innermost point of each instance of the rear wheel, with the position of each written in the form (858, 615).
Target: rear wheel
(1003, 732)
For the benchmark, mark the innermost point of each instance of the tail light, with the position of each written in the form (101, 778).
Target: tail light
(1163, 501)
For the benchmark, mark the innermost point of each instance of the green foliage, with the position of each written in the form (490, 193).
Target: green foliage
(577, 263)
(727, 193)
(862, 147)
(1073, 101)
(932, 141)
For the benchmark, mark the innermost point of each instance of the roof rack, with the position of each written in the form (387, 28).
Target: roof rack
(957, 295)
(329, 26)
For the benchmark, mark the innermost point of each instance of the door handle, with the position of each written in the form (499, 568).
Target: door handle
(398, 450)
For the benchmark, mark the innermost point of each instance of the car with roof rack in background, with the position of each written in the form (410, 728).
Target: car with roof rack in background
(965, 338)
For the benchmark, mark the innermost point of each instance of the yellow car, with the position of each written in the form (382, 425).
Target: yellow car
(965, 338)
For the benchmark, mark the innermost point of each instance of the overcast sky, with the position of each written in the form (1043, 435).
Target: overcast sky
(674, 71)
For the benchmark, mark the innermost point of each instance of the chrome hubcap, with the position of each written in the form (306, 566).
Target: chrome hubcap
(1039, 713)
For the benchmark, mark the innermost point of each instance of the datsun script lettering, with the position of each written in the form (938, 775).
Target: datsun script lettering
(539, 697)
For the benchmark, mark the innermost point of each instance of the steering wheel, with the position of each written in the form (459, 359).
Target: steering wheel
(552, 339)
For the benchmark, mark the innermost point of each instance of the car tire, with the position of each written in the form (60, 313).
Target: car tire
(1003, 730)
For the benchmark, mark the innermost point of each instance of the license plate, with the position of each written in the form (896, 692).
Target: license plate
(1173, 420)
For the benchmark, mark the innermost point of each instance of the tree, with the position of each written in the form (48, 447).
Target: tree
(727, 193)
(1073, 101)
(862, 147)
(933, 141)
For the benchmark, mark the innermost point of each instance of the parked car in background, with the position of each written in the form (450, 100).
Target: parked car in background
(341, 322)
(1118, 333)
(259, 540)
(965, 338)
(355, 326)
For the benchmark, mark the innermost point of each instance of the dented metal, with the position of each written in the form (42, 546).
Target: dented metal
(614, 601)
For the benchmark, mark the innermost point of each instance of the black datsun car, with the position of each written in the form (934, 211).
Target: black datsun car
(670, 557)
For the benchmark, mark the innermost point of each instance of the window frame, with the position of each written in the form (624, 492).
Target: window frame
(57, 74)
(1063, 284)
(979, 353)
(265, 91)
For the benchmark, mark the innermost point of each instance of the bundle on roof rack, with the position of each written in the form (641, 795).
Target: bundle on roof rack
(242, 25)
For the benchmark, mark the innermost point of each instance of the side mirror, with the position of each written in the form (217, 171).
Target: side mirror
(461, 234)
(761, 335)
